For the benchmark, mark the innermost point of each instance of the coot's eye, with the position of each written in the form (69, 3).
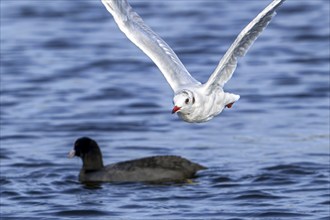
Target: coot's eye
(186, 101)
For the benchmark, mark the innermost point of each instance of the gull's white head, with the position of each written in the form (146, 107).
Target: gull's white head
(183, 102)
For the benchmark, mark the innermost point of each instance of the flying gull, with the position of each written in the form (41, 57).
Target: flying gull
(193, 101)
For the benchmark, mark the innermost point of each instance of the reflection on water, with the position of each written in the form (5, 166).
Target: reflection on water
(67, 71)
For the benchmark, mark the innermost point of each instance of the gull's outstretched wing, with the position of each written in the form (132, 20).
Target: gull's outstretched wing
(150, 43)
(244, 40)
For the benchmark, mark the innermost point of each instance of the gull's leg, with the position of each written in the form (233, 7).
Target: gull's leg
(230, 105)
(230, 99)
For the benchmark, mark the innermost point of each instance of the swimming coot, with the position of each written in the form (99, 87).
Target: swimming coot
(158, 169)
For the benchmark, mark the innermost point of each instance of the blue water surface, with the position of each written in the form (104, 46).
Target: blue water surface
(67, 71)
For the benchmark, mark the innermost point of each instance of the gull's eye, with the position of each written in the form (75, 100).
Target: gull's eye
(186, 101)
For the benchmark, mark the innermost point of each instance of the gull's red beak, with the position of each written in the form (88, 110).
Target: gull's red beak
(175, 109)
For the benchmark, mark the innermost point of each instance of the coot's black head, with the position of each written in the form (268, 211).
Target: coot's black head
(88, 150)
(85, 145)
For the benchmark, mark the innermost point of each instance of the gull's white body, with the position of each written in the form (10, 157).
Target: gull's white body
(194, 102)
(206, 106)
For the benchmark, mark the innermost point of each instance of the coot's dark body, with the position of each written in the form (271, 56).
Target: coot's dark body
(149, 169)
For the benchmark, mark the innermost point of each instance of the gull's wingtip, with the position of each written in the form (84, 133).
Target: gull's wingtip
(118, 8)
(276, 3)
(107, 5)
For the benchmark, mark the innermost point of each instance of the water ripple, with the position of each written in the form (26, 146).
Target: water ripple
(67, 71)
